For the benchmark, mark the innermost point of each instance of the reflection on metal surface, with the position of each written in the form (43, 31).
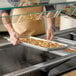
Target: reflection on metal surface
(64, 40)
(39, 66)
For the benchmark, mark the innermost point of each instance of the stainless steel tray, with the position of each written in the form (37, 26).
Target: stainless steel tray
(44, 48)
(66, 41)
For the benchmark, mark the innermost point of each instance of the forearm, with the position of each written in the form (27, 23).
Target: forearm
(14, 36)
(7, 22)
(50, 22)
(50, 19)
(49, 31)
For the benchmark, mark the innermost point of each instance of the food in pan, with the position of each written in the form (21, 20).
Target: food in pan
(70, 50)
(41, 43)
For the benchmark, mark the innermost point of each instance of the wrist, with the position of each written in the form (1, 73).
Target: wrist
(11, 31)
(9, 28)
(49, 28)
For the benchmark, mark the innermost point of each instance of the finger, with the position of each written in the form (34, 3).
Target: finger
(48, 36)
(14, 41)
(51, 37)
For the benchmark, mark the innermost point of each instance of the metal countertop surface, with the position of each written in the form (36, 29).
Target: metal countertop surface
(64, 56)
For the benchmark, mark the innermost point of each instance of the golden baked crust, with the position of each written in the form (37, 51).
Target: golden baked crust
(40, 43)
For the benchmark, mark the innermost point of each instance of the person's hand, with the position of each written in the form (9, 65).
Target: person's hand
(49, 34)
(14, 38)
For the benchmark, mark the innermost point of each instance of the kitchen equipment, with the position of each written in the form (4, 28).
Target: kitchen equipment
(38, 60)
(16, 60)
(66, 36)
(41, 44)
(64, 40)
(73, 36)
(42, 48)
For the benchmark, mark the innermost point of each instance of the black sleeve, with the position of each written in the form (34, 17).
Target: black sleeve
(12, 2)
(6, 11)
(49, 7)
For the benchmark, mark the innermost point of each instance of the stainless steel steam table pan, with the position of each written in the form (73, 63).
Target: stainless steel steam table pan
(44, 48)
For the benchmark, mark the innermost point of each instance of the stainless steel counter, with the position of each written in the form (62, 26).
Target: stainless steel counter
(16, 56)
